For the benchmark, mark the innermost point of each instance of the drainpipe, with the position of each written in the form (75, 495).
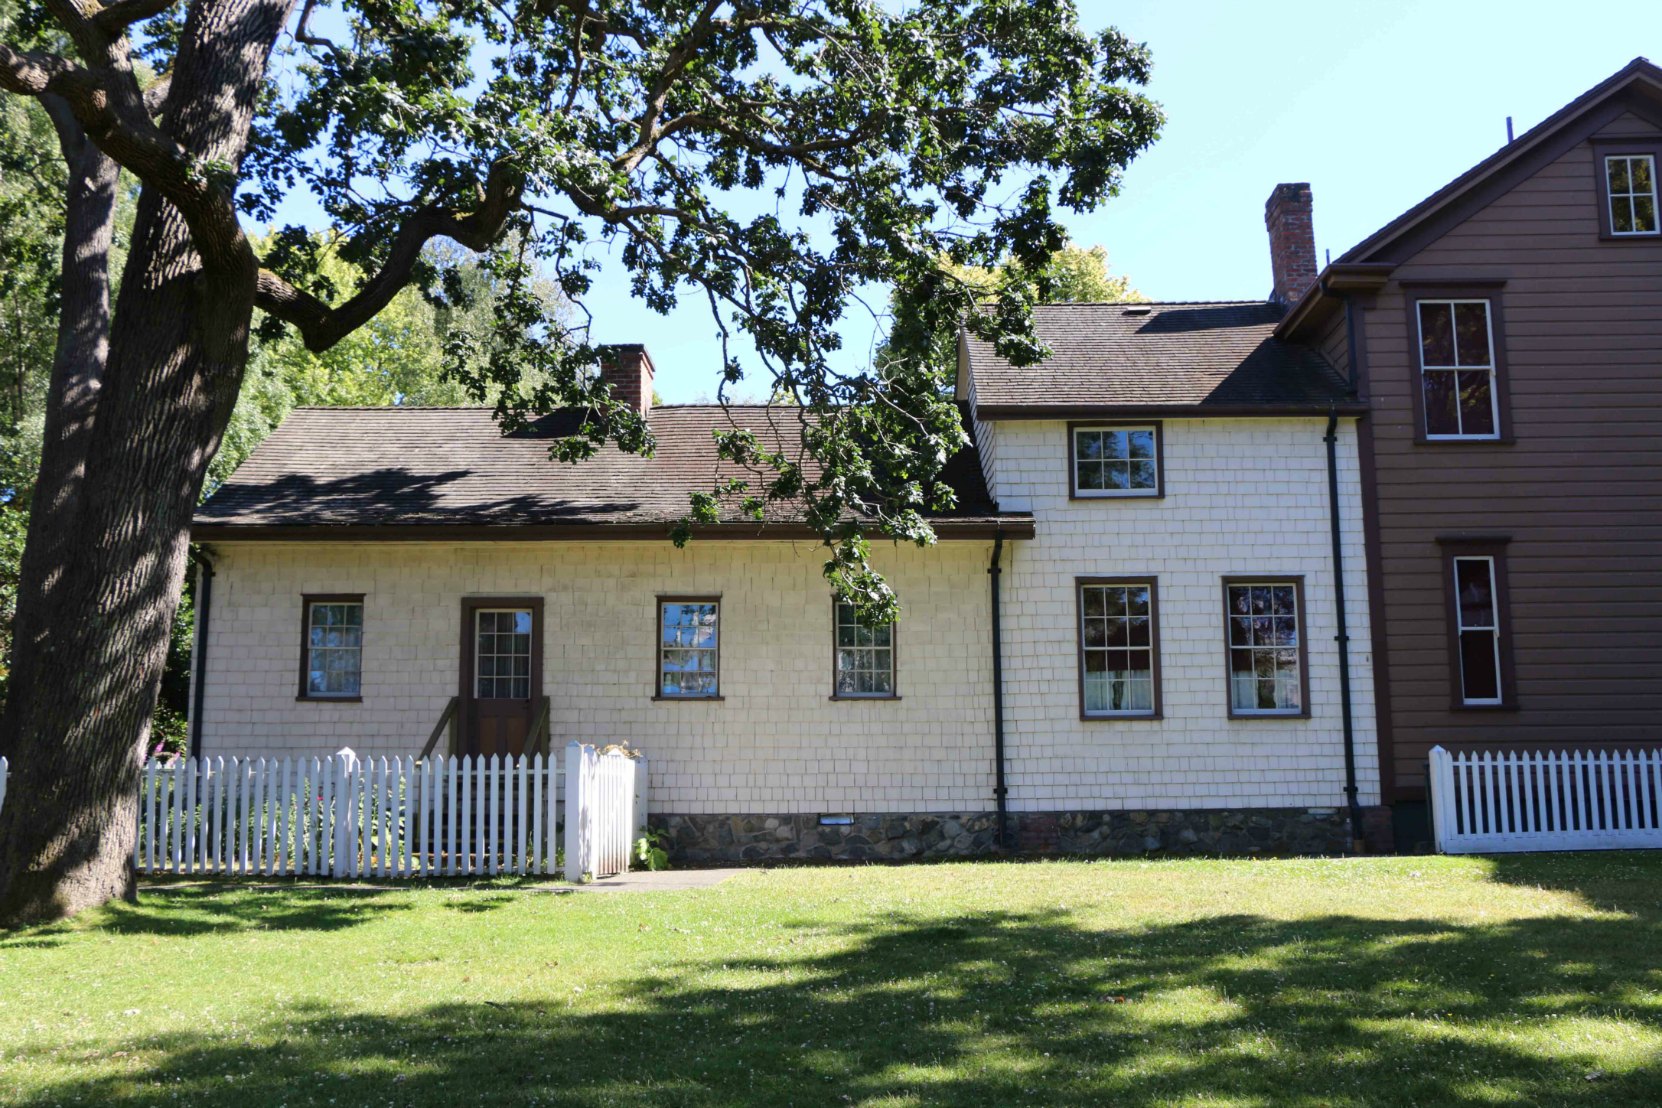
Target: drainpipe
(199, 648)
(1343, 636)
(994, 572)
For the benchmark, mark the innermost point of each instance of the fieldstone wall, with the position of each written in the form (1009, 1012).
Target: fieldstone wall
(897, 837)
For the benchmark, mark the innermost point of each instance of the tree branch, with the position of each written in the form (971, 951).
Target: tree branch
(117, 17)
(322, 326)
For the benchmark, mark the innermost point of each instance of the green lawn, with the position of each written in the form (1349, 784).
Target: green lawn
(1431, 981)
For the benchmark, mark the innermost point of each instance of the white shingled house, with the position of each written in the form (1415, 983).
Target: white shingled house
(1127, 639)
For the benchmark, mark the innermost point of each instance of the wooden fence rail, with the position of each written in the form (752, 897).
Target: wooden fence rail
(1499, 802)
(345, 818)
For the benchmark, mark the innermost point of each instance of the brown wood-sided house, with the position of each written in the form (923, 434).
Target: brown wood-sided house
(1506, 333)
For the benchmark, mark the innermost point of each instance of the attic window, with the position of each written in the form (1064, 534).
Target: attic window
(1630, 187)
(1138, 309)
(1114, 460)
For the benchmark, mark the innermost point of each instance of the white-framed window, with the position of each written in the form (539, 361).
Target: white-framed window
(1477, 627)
(863, 656)
(1457, 369)
(1117, 655)
(502, 653)
(1630, 190)
(1266, 647)
(1112, 460)
(689, 648)
(334, 645)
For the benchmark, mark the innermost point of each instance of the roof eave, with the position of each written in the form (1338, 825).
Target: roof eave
(1166, 411)
(1012, 525)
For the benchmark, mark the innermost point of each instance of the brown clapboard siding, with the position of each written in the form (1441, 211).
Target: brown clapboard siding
(1578, 492)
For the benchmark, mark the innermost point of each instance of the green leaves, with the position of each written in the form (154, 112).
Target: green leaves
(772, 158)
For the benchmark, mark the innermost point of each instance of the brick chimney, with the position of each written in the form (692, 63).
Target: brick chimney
(1287, 217)
(627, 368)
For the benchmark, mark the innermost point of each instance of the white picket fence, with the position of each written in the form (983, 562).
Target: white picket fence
(1503, 802)
(339, 817)
(601, 810)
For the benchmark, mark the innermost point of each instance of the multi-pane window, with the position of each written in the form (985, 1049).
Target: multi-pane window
(688, 651)
(1477, 627)
(1630, 181)
(1265, 660)
(864, 656)
(1457, 369)
(502, 654)
(334, 648)
(1116, 461)
(1116, 648)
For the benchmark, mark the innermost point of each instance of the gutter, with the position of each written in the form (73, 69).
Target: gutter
(199, 645)
(1343, 635)
(1000, 791)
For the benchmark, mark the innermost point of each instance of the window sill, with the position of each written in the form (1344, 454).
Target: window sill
(1157, 494)
(1127, 717)
(1461, 706)
(1272, 717)
(688, 699)
(1502, 440)
(329, 699)
(856, 699)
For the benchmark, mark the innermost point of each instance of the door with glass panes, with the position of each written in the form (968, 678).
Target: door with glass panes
(501, 673)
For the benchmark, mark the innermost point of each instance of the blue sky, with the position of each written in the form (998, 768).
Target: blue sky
(1375, 104)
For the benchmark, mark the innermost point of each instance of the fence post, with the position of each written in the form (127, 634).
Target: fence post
(577, 802)
(1442, 799)
(346, 824)
(640, 799)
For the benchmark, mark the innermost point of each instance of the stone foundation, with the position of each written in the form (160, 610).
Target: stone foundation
(901, 837)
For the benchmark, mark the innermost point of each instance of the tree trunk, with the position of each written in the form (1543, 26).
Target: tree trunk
(103, 570)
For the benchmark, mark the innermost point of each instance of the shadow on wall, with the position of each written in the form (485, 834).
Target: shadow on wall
(996, 1008)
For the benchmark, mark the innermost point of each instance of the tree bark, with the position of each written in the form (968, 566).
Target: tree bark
(103, 575)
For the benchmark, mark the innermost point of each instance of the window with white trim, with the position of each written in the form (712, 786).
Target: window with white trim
(1265, 660)
(1116, 461)
(864, 656)
(689, 656)
(1477, 627)
(1457, 369)
(1116, 648)
(1630, 190)
(334, 648)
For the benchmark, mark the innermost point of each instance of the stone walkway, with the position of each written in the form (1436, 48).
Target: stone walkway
(664, 881)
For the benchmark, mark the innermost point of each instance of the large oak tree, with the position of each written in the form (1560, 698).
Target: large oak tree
(779, 159)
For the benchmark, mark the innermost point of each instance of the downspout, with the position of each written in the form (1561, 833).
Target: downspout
(994, 572)
(1343, 635)
(199, 647)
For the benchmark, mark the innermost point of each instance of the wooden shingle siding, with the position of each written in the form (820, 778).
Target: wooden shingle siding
(1579, 491)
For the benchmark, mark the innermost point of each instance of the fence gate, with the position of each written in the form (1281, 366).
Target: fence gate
(1502, 802)
(601, 810)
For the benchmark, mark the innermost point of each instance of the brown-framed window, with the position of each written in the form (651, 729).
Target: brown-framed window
(1115, 460)
(331, 646)
(1457, 333)
(689, 648)
(1264, 633)
(1119, 647)
(1480, 654)
(862, 658)
(1459, 393)
(1625, 170)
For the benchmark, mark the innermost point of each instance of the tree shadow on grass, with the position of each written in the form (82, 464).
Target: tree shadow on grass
(991, 1009)
(1629, 882)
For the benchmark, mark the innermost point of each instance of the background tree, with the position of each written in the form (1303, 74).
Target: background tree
(773, 157)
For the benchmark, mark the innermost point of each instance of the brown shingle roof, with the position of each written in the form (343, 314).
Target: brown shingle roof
(385, 468)
(1217, 356)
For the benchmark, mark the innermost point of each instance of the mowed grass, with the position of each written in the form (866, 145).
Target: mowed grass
(1435, 981)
